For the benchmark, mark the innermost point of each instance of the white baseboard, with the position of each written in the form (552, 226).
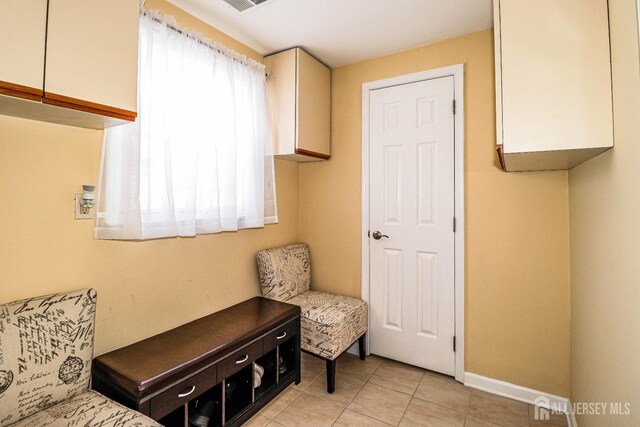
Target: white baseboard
(523, 394)
(571, 420)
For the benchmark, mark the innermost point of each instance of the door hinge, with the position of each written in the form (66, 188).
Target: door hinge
(454, 343)
(454, 224)
(454, 106)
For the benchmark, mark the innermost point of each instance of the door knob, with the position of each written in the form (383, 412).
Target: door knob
(378, 235)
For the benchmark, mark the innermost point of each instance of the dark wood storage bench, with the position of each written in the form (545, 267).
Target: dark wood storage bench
(210, 359)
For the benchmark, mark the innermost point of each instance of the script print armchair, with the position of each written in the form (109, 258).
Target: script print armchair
(330, 323)
(46, 348)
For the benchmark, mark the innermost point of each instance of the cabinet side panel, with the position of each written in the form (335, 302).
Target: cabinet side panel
(281, 68)
(92, 51)
(498, 70)
(556, 75)
(314, 105)
(22, 39)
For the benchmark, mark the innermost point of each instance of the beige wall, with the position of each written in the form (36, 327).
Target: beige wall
(605, 245)
(517, 269)
(143, 287)
(517, 240)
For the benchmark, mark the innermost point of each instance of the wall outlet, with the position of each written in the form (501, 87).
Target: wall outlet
(80, 212)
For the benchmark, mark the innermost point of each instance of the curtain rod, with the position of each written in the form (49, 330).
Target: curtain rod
(202, 42)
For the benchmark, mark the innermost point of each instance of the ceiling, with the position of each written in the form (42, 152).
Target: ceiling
(340, 32)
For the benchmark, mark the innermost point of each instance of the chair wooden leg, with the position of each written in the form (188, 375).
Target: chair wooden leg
(361, 352)
(331, 376)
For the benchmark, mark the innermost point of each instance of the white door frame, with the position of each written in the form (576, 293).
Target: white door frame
(457, 71)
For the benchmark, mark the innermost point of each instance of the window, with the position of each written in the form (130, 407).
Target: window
(199, 157)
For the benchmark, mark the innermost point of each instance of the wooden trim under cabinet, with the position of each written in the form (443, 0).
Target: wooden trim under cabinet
(310, 153)
(89, 107)
(20, 91)
(500, 152)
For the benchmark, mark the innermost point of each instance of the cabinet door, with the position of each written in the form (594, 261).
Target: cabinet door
(23, 26)
(92, 55)
(314, 107)
(281, 85)
(556, 76)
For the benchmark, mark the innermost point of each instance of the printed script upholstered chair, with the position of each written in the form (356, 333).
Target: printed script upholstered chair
(330, 323)
(46, 347)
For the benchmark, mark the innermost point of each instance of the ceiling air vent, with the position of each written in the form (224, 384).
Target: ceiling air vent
(242, 5)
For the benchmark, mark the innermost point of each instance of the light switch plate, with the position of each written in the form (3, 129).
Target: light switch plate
(80, 212)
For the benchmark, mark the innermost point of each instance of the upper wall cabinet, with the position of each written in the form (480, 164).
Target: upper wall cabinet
(300, 92)
(553, 82)
(72, 62)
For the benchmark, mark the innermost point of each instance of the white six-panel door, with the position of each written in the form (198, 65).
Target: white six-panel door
(411, 188)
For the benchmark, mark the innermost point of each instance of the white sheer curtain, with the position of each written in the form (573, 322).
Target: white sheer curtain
(199, 157)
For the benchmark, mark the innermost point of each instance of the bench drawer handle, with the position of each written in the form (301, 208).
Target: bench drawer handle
(187, 393)
(242, 360)
(279, 337)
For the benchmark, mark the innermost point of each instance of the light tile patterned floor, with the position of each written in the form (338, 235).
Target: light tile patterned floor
(381, 392)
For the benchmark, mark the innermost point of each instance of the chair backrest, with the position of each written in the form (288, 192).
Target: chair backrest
(285, 271)
(46, 347)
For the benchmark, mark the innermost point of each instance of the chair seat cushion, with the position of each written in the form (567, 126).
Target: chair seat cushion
(88, 409)
(330, 323)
